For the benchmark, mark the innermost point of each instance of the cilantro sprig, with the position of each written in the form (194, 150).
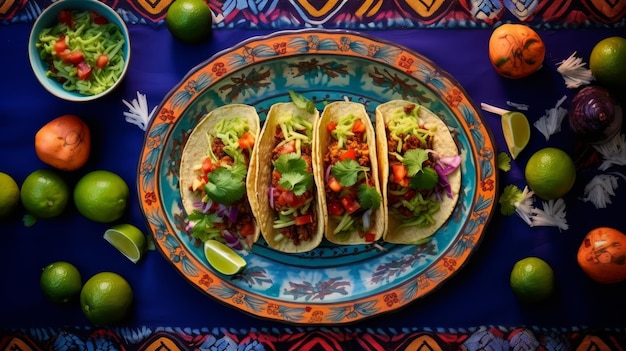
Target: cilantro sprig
(204, 228)
(509, 197)
(504, 162)
(302, 102)
(413, 160)
(426, 179)
(369, 198)
(294, 174)
(226, 185)
(421, 177)
(347, 172)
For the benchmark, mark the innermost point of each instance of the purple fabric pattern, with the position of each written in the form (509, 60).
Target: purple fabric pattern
(363, 15)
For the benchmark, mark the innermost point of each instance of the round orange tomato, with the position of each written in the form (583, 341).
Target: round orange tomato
(602, 255)
(516, 50)
(64, 143)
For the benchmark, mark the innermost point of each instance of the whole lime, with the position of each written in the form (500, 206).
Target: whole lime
(101, 196)
(44, 193)
(532, 279)
(106, 298)
(550, 173)
(189, 21)
(9, 195)
(608, 61)
(60, 282)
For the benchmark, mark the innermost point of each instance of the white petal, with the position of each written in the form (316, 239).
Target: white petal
(553, 214)
(600, 189)
(550, 123)
(138, 111)
(613, 151)
(574, 72)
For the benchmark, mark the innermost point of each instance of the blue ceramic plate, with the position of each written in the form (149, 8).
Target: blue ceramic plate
(331, 284)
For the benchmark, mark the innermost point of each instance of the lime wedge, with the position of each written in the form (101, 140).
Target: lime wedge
(127, 239)
(516, 130)
(224, 259)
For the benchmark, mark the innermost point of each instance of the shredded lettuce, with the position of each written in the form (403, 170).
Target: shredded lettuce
(403, 124)
(229, 130)
(295, 128)
(344, 129)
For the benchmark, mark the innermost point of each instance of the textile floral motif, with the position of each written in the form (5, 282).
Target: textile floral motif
(362, 14)
(304, 339)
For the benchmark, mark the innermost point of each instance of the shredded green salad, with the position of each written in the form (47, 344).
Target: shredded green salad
(84, 52)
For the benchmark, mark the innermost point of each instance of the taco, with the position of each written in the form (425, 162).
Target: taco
(347, 177)
(420, 176)
(287, 207)
(214, 167)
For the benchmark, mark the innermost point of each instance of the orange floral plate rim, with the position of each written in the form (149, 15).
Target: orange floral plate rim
(333, 284)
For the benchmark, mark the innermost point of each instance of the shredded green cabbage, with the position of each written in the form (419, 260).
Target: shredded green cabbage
(92, 40)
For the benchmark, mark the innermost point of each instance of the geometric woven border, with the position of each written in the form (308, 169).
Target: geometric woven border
(309, 339)
(363, 14)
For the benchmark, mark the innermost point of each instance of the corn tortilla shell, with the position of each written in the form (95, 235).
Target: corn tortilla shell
(443, 144)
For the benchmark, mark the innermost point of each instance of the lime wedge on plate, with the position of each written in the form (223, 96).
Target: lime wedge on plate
(222, 258)
(127, 239)
(516, 130)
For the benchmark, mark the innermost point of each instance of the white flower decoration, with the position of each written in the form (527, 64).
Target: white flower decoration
(550, 123)
(552, 215)
(613, 152)
(138, 111)
(574, 72)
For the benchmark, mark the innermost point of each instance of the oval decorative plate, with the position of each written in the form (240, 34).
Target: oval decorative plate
(332, 284)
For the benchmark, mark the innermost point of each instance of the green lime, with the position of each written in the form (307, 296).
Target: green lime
(550, 173)
(189, 20)
(44, 194)
(106, 298)
(224, 259)
(9, 195)
(516, 132)
(128, 239)
(532, 279)
(101, 196)
(608, 61)
(60, 282)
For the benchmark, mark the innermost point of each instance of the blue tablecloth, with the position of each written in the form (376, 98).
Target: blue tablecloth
(479, 295)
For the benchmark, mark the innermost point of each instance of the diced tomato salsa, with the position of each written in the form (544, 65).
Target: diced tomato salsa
(340, 199)
(302, 219)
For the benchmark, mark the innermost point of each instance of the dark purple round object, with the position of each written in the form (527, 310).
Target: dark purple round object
(594, 115)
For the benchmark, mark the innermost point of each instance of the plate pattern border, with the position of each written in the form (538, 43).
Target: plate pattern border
(284, 44)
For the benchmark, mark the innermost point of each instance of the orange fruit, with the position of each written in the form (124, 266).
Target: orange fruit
(101, 196)
(602, 255)
(550, 173)
(64, 143)
(106, 298)
(516, 50)
(189, 20)
(532, 279)
(60, 282)
(607, 61)
(44, 194)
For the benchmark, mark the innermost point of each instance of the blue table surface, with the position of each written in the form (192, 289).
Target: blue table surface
(478, 295)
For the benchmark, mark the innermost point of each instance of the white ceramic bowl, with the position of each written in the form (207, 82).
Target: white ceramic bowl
(47, 19)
